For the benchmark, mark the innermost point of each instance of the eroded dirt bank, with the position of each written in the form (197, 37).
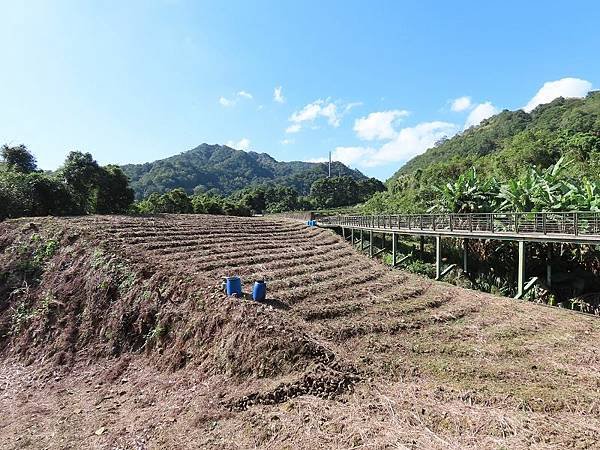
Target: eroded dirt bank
(114, 332)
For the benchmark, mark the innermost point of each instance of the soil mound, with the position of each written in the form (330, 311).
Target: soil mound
(115, 333)
(84, 289)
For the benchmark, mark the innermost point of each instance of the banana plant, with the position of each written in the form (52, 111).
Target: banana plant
(467, 194)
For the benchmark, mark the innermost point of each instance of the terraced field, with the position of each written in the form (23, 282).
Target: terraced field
(123, 338)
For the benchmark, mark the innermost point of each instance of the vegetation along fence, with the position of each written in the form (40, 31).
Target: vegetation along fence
(546, 223)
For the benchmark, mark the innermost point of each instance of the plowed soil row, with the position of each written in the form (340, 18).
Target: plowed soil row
(121, 337)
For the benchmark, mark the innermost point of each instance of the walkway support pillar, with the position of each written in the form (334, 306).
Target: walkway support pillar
(465, 255)
(394, 248)
(371, 243)
(344, 233)
(421, 246)
(549, 258)
(521, 270)
(352, 236)
(438, 257)
(362, 240)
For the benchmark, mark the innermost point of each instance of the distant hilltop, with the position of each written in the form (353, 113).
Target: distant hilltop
(222, 169)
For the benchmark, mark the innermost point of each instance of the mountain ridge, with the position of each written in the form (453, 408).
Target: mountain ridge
(499, 132)
(223, 170)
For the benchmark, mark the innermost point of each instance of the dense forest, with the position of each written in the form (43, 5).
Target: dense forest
(503, 149)
(80, 186)
(221, 170)
(324, 193)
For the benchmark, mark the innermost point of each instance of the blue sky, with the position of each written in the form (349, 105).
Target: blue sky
(373, 82)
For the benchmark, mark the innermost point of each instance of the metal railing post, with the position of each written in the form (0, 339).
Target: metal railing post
(544, 223)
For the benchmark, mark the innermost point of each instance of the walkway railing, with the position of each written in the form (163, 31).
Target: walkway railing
(546, 223)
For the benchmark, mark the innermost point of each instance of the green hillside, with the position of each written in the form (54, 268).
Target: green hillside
(504, 147)
(512, 130)
(223, 170)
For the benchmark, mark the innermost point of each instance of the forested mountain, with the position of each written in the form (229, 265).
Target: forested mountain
(513, 130)
(223, 170)
(504, 147)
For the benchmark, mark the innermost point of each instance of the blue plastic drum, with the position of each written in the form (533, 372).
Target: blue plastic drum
(233, 286)
(259, 292)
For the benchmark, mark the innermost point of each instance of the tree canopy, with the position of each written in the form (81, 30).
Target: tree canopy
(81, 186)
(18, 159)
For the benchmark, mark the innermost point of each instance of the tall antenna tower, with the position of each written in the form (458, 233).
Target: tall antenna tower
(329, 176)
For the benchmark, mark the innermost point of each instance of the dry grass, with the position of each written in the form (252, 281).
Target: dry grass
(345, 354)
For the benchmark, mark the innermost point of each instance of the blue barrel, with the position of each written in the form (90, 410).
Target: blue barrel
(233, 286)
(259, 292)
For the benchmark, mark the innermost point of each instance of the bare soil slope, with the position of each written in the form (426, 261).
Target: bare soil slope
(115, 333)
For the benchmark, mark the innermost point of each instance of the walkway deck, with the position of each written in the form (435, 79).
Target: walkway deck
(571, 227)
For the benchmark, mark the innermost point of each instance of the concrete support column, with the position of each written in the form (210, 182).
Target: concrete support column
(521, 270)
(352, 236)
(465, 255)
(370, 243)
(549, 258)
(438, 257)
(344, 233)
(362, 240)
(394, 248)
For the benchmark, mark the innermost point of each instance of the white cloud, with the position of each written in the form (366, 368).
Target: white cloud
(287, 141)
(407, 143)
(480, 113)
(225, 102)
(313, 110)
(242, 144)
(293, 128)
(278, 95)
(412, 141)
(461, 104)
(378, 125)
(352, 156)
(565, 87)
(245, 95)
(317, 160)
(319, 108)
(349, 106)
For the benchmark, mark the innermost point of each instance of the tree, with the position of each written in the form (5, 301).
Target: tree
(19, 159)
(176, 202)
(33, 194)
(81, 174)
(468, 194)
(368, 187)
(281, 198)
(150, 205)
(207, 204)
(334, 192)
(113, 194)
